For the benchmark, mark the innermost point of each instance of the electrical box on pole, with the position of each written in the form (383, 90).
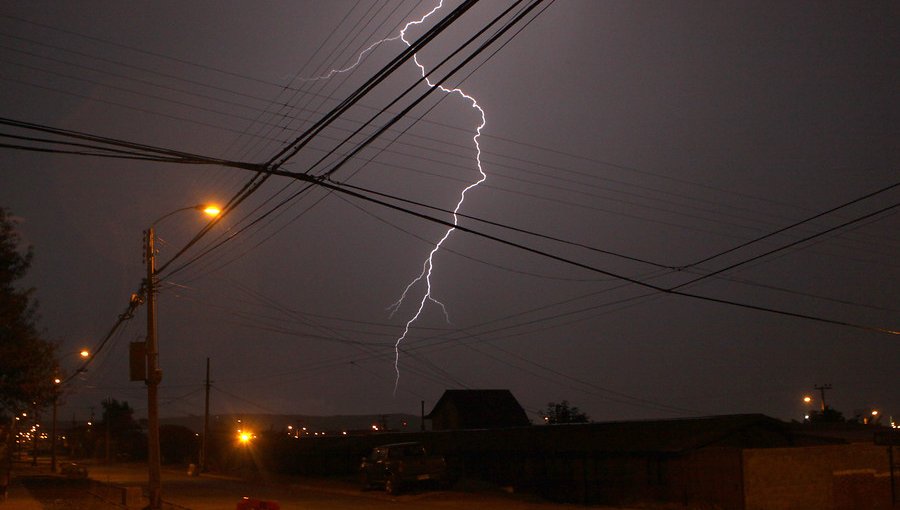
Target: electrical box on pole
(137, 361)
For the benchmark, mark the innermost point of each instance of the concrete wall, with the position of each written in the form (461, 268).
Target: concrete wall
(818, 477)
(711, 476)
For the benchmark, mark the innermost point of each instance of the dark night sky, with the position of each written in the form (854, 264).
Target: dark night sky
(664, 131)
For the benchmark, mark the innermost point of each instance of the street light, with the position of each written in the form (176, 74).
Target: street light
(154, 374)
(84, 354)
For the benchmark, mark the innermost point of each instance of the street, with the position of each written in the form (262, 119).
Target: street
(212, 492)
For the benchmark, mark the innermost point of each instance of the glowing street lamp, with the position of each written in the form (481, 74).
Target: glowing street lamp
(57, 382)
(154, 374)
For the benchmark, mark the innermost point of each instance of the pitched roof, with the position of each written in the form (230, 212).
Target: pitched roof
(678, 435)
(481, 408)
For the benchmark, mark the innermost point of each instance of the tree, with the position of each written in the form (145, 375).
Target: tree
(27, 362)
(828, 415)
(125, 438)
(178, 444)
(564, 413)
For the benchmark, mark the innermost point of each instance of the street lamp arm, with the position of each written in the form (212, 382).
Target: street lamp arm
(198, 207)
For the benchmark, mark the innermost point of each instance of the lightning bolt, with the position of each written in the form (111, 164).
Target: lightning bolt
(428, 264)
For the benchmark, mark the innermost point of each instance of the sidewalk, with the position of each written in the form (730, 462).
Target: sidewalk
(18, 497)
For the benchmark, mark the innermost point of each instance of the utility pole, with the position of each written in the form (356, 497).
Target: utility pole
(154, 376)
(34, 436)
(107, 415)
(822, 390)
(53, 432)
(204, 444)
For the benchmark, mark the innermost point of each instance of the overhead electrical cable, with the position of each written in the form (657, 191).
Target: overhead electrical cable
(792, 244)
(664, 290)
(241, 165)
(371, 137)
(253, 150)
(180, 77)
(123, 317)
(299, 142)
(413, 86)
(794, 225)
(22, 147)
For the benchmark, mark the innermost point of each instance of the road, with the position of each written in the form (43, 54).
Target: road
(211, 492)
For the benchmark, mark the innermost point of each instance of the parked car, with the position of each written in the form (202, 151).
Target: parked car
(400, 465)
(73, 470)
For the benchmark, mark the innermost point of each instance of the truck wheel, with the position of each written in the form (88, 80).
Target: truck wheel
(392, 485)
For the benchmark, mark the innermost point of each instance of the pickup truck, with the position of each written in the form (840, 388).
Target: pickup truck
(400, 465)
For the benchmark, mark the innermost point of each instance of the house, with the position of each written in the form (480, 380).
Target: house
(477, 409)
(737, 462)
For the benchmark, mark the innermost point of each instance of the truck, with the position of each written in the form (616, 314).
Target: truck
(401, 465)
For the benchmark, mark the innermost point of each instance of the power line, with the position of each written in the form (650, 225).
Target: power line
(564, 260)
(794, 225)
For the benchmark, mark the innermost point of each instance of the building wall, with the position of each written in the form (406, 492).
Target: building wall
(711, 475)
(811, 477)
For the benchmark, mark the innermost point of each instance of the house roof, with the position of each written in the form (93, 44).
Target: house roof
(479, 408)
(679, 435)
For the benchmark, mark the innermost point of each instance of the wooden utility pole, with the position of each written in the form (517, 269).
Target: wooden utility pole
(204, 444)
(107, 418)
(822, 390)
(154, 376)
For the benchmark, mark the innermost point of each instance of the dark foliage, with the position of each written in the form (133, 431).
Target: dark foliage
(178, 445)
(27, 362)
(828, 415)
(564, 413)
